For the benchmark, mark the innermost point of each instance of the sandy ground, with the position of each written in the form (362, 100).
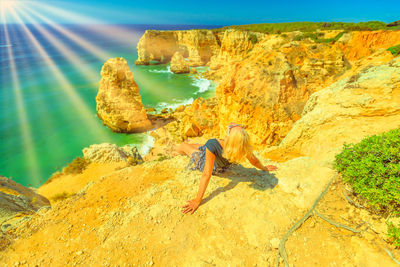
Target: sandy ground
(131, 216)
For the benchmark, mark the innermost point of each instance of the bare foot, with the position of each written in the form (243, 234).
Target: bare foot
(174, 153)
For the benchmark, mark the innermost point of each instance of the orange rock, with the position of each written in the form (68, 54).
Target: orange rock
(119, 104)
(178, 64)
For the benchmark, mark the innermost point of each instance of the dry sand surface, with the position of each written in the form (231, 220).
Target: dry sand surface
(131, 216)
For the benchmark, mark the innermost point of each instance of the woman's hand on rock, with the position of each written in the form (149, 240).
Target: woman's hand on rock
(270, 168)
(191, 206)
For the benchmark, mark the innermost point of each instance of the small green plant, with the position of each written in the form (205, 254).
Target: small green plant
(330, 40)
(76, 166)
(253, 38)
(62, 196)
(163, 157)
(394, 234)
(311, 35)
(395, 50)
(372, 167)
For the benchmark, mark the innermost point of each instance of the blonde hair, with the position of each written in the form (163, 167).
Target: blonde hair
(237, 145)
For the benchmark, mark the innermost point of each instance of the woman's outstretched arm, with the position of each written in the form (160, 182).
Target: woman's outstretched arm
(205, 178)
(256, 163)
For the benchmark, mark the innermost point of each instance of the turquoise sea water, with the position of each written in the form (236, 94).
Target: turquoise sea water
(42, 128)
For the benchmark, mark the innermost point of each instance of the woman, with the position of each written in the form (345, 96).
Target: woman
(216, 155)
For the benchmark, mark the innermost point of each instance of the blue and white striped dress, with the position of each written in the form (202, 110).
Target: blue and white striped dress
(198, 158)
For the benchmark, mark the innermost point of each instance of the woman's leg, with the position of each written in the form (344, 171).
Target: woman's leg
(187, 149)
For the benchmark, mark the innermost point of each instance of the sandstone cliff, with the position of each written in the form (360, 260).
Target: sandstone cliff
(352, 108)
(119, 104)
(265, 80)
(130, 215)
(196, 45)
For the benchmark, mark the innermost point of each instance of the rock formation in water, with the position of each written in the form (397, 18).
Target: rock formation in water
(17, 203)
(119, 104)
(179, 64)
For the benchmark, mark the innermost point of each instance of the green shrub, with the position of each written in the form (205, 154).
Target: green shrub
(253, 38)
(372, 167)
(76, 166)
(395, 50)
(312, 26)
(311, 35)
(330, 40)
(394, 234)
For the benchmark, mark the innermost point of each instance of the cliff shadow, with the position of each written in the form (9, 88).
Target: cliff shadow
(259, 180)
(158, 121)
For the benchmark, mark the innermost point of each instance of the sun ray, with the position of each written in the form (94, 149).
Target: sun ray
(42, 106)
(119, 34)
(85, 113)
(147, 81)
(98, 52)
(22, 114)
(72, 57)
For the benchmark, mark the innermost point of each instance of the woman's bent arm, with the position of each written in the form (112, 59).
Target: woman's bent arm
(256, 163)
(205, 178)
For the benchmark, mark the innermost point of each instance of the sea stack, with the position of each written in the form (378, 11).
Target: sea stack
(179, 64)
(119, 104)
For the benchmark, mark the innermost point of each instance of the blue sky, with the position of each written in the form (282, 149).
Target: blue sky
(219, 12)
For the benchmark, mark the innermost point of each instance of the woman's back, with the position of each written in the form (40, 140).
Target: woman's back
(215, 147)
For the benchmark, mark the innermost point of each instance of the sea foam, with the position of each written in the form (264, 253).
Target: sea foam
(203, 84)
(146, 145)
(176, 103)
(168, 70)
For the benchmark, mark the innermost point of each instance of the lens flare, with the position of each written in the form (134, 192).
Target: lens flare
(8, 4)
(85, 113)
(29, 147)
(90, 48)
(72, 57)
(39, 27)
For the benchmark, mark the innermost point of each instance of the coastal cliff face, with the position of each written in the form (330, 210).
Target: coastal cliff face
(363, 104)
(357, 45)
(119, 104)
(265, 80)
(196, 45)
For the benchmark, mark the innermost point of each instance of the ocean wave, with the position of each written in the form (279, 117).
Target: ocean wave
(174, 105)
(146, 145)
(168, 70)
(203, 85)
